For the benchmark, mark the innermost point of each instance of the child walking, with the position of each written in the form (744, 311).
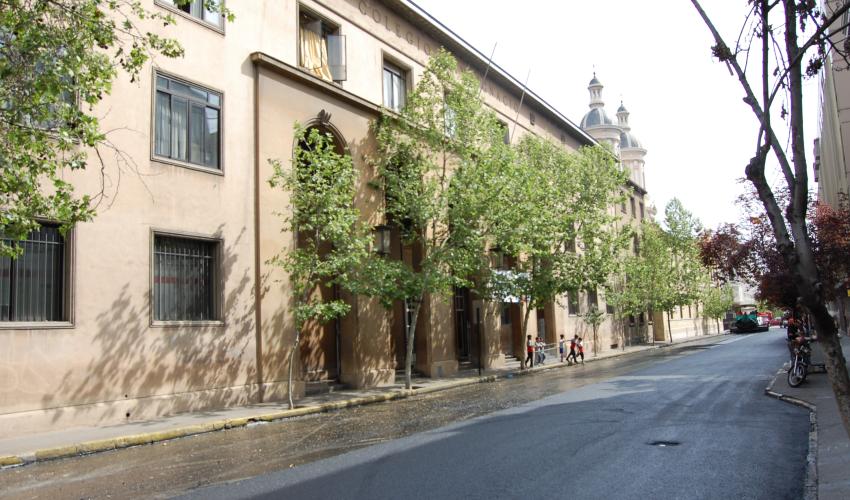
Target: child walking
(562, 344)
(529, 346)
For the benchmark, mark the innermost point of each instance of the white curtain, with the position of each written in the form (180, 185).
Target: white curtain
(314, 54)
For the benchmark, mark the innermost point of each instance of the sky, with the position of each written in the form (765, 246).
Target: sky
(685, 107)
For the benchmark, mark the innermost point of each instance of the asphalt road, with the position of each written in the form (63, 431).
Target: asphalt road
(578, 432)
(693, 424)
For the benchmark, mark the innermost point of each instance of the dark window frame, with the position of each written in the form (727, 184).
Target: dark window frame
(63, 294)
(401, 73)
(191, 99)
(170, 6)
(216, 285)
(328, 28)
(573, 303)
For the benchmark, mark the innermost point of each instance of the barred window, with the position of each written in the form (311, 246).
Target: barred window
(32, 286)
(184, 279)
(187, 123)
(572, 302)
(592, 299)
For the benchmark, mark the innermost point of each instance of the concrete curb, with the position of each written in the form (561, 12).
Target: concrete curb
(89, 447)
(810, 487)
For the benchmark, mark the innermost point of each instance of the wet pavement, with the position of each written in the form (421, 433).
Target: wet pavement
(173, 467)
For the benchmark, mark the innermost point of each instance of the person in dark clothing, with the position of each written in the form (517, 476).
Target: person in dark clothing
(572, 354)
(530, 346)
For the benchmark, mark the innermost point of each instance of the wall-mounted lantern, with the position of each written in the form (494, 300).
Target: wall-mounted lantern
(382, 234)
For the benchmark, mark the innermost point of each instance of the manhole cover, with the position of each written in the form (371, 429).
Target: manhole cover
(664, 444)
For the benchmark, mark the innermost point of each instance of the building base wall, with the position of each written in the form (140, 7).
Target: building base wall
(107, 413)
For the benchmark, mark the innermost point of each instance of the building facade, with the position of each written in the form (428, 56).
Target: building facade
(166, 302)
(831, 147)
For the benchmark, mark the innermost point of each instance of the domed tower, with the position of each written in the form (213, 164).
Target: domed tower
(632, 153)
(596, 122)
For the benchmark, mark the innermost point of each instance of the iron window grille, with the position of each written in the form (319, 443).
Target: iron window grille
(184, 279)
(32, 286)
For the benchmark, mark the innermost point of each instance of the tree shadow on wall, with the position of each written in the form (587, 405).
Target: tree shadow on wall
(207, 366)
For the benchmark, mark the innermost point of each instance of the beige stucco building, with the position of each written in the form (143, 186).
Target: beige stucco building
(167, 302)
(831, 147)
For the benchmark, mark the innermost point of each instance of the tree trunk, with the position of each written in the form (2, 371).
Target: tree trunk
(291, 364)
(842, 318)
(595, 341)
(408, 355)
(524, 329)
(836, 365)
(669, 328)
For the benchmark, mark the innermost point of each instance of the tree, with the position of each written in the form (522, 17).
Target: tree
(831, 231)
(791, 40)
(551, 214)
(330, 241)
(594, 318)
(667, 271)
(716, 301)
(58, 58)
(433, 159)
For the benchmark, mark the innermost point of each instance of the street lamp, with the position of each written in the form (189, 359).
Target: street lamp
(382, 234)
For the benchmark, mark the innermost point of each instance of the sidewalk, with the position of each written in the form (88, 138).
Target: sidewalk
(828, 467)
(84, 440)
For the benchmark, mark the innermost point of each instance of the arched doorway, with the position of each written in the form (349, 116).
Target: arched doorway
(320, 345)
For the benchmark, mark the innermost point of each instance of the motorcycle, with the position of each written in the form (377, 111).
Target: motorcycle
(800, 363)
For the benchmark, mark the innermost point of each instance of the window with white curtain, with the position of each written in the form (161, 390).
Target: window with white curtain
(322, 50)
(187, 123)
(395, 86)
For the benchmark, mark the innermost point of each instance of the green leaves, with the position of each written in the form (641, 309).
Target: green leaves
(332, 244)
(436, 161)
(58, 59)
(551, 212)
(668, 272)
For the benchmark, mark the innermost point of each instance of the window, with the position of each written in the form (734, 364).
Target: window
(532, 118)
(641, 212)
(187, 123)
(636, 244)
(33, 286)
(592, 299)
(572, 303)
(634, 212)
(198, 10)
(609, 309)
(184, 279)
(623, 206)
(506, 314)
(450, 118)
(321, 48)
(395, 87)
